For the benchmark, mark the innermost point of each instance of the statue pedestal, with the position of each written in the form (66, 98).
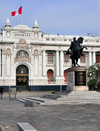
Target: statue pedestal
(76, 78)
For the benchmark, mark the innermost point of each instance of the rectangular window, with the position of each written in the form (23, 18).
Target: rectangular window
(97, 41)
(82, 58)
(97, 58)
(53, 39)
(86, 40)
(66, 58)
(47, 39)
(50, 58)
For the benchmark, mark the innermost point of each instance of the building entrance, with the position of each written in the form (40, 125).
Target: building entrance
(22, 77)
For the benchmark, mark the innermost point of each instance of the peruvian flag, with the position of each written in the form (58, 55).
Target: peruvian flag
(18, 12)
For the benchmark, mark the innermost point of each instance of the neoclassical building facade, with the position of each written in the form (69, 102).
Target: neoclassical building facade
(31, 60)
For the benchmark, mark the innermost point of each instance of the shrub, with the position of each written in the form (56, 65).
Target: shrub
(98, 85)
(91, 83)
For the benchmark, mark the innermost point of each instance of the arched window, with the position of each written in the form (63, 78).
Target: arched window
(65, 76)
(50, 76)
(22, 53)
(22, 56)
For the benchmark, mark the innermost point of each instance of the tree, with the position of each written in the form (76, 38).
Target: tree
(91, 83)
(94, 72)
(98, 85)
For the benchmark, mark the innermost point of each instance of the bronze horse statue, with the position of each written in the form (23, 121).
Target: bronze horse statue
(76, 50)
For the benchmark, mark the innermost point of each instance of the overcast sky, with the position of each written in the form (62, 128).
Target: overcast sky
(69, 17)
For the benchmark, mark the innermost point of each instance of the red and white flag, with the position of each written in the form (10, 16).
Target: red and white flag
(18, 12)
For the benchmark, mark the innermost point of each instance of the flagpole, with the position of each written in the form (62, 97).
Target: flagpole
(22, 17)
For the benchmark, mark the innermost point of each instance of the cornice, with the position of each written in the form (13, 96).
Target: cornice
(24, 30)
(57, 43)
(7, 42)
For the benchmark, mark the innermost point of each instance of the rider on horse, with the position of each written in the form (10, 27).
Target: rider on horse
(76, 50)
(72, 47)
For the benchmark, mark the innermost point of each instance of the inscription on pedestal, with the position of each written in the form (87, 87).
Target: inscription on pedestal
(80, 78)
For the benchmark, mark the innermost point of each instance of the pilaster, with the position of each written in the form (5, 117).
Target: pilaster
(61, 63)
(90, 60)
(94, 57)
(44, 64)
(57, 63)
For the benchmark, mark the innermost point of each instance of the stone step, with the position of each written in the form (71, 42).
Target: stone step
(40, 99)
(79, 98)
(38, 102)
(80, 102)
(84, 91)
(88, 96)
(51, 96)
(35, 103)
(83, 94)
(62, 92)
(66, 97)
(69, 99)
(36, 99)
(21, 100)
(80, 95)
(72, 102)
(75, 97)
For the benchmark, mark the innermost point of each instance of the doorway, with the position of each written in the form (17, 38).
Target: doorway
(22, 78)
(50, 76)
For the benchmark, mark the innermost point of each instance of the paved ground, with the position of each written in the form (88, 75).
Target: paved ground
(50, 118)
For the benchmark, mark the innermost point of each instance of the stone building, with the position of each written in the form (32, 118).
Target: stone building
(31, 60)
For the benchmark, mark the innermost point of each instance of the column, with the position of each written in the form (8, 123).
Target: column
(0, 62)
(79, 61)
(61, 63)
(44, 64)
(70, 61)
(3, 65)
(90, 60)
(8, 63)
(94, 57)
(57, 63)
(36, 65)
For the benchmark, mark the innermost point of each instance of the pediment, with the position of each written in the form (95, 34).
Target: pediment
(22, 43)
(22, 27)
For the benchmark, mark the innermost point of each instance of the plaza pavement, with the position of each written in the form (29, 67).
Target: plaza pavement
(49, 118)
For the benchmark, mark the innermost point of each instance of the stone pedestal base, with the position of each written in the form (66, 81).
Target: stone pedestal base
(76, 78)
(80, 88)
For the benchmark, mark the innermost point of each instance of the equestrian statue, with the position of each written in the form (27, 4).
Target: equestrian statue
(76, 50)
